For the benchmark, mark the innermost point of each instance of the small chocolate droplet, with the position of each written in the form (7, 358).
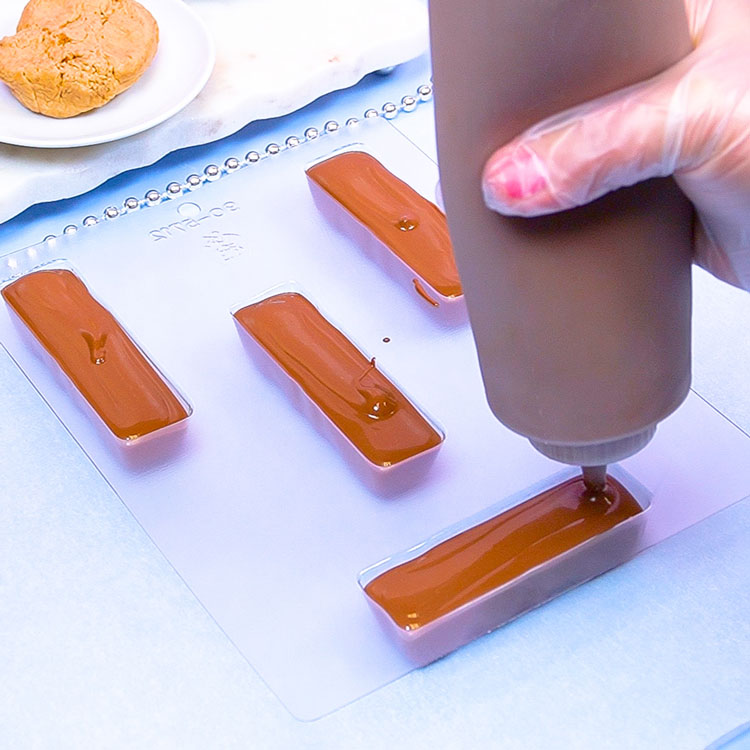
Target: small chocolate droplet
(96, 346)
(407, 223)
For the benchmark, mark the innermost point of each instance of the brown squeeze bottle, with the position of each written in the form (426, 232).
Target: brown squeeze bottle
(581, 319)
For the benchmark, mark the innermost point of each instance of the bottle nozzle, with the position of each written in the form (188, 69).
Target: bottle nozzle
(595, 477)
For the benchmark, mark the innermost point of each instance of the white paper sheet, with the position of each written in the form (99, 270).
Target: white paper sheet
(263, 517)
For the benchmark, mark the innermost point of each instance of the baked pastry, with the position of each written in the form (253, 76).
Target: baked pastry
(71, 56)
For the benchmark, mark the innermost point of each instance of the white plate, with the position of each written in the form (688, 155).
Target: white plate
(182, 65)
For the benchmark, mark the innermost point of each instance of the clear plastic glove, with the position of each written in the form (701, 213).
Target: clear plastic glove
(692, 121)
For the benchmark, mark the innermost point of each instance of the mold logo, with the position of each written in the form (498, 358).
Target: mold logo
(193, 216)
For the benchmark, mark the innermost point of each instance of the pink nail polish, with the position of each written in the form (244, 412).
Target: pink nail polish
(515, 177)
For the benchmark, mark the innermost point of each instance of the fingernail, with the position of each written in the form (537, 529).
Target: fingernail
(509, 179)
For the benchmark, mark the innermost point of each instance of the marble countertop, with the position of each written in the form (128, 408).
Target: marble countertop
(272, 59)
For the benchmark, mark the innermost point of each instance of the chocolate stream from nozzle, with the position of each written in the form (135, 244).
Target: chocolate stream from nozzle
(595, 477)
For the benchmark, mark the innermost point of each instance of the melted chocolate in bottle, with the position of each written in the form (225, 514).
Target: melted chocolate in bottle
(414, 229)
(581, 318)
(101, 360)
(480, 559)
(373, 414)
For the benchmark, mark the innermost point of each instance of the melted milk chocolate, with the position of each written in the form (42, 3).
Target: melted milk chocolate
(480, 559)
(413, 229)
(368, 409)
(91, 348)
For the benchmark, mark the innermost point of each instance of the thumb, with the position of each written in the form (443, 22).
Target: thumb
(579, 155)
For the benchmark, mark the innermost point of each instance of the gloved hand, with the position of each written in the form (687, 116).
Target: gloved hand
(692, 121)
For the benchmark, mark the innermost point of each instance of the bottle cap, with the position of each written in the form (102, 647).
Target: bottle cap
(596, 454)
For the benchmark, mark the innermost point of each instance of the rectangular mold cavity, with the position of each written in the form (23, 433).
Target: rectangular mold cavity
(332, 380)
(389, 220)
(101, 362)
(449, 590)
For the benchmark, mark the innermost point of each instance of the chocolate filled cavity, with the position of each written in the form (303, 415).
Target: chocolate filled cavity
(374, 415)
(101, 360)
(485, 557)
(410, 226)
